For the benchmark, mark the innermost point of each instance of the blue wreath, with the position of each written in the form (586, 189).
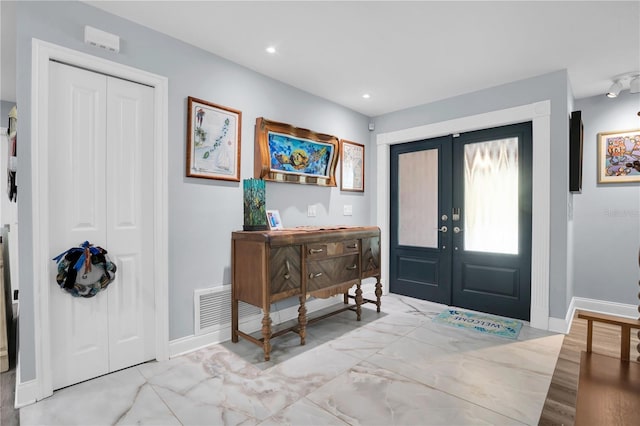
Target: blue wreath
(71, 262)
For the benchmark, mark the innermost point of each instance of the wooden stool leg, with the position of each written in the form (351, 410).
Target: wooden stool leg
(625, 343)
(589, 335)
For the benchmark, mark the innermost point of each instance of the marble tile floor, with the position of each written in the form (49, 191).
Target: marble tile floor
(396, 367)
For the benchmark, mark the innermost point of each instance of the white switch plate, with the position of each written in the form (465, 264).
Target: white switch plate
(348, 210)
(311, 210)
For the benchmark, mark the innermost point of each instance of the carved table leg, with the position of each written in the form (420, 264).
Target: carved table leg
(359, 300)
(378, 293)
(302, 320)
(266, 335)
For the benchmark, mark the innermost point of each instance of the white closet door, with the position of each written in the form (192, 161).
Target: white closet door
(77, 200)
(101, 178)
(130, 159)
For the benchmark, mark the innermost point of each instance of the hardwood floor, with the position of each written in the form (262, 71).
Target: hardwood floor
(559, 407)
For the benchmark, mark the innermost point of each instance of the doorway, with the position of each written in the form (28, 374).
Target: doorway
(43, 53)
(460, 220)
(101, 132)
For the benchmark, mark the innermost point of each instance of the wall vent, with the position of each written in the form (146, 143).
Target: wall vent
(213, 309)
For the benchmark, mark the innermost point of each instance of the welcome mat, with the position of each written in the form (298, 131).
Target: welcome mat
(483, 323)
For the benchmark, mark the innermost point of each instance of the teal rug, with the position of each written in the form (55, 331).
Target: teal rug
(483, 323)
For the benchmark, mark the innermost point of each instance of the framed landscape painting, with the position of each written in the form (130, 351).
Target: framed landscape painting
(213, 141)
(619, 156)
(284, 153)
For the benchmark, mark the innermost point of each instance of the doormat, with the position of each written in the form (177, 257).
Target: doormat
(483, 323)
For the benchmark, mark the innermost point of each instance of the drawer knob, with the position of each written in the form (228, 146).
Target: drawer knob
(312, 275)
(352, 267)
(315, 251)
(353, 246)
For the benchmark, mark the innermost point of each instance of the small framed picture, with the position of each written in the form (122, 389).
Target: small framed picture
(352, 170)
(213, 141)
(619, 156)
(273, 219)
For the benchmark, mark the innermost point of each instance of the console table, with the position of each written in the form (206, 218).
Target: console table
(268, 266)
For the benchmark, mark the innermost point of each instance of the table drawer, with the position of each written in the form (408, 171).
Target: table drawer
(316, 251)
(327, 272)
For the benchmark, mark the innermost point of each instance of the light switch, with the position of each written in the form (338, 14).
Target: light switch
(311, 210)
(348, 210)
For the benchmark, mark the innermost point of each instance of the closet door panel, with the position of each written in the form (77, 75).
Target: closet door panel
(130, 222)
(76, 170)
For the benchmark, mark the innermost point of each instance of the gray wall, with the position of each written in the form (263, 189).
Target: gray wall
(554, 87)
(606, 216)
(202, 213)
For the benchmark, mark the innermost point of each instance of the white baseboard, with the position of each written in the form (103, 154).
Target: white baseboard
(27, 392)
(192, 343)
(593, 305)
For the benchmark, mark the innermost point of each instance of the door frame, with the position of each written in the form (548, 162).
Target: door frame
(42, 53)
(539, 113)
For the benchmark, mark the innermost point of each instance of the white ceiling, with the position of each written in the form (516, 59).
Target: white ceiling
(405, 53)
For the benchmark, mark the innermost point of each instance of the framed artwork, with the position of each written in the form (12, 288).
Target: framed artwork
(284, 153)
(273, 219)
(619, 156)
(352, 166)
(213, 141)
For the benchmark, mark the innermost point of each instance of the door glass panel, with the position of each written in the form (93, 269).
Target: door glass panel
(418, 198)
(491, 196)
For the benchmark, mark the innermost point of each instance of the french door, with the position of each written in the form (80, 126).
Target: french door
(461, 220)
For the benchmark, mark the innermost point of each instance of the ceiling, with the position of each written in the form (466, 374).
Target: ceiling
(404, 53)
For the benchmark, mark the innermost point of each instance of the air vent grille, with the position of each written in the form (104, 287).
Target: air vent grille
(213, 309)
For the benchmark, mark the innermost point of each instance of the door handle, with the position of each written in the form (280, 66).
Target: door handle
(457, 230)
(312, 275)
(443, 229)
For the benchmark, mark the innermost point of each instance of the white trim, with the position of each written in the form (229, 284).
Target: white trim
(592, 305)
(539, 113)
(27, 392)
(192, 343)
(42, 53)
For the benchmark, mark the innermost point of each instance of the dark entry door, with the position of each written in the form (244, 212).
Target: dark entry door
(461, 220)
(421, 197)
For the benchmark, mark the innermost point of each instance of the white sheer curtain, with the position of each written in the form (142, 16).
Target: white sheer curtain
(418, 198)
(491, 196)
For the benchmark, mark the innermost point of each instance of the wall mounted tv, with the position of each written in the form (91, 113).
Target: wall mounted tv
(576, 134)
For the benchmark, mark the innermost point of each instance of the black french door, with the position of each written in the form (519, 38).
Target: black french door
(461, 220)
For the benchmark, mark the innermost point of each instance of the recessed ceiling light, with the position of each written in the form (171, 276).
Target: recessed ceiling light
(366, 96)
(271, 49)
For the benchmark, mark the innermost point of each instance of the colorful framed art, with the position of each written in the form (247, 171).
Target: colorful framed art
(284, 153)
(619, 156)
(213, 141)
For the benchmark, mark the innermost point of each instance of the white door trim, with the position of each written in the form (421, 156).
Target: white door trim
(539, 114)
(42, 53)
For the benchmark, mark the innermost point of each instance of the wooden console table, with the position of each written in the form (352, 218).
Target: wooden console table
(268, 266)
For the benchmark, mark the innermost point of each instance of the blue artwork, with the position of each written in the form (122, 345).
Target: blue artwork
(299, 156)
